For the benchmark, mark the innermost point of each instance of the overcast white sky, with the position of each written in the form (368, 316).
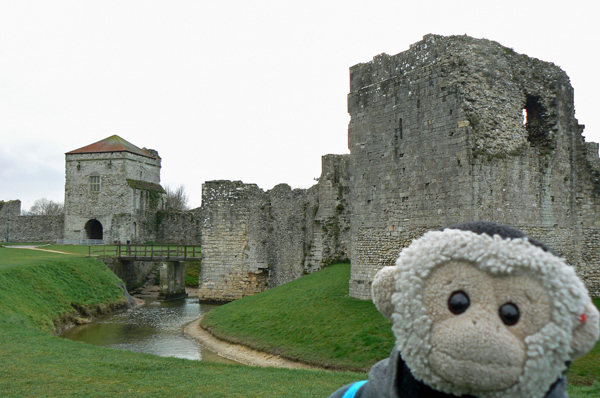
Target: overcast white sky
(242, 90)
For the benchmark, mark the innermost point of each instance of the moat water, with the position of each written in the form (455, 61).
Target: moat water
(154, 328)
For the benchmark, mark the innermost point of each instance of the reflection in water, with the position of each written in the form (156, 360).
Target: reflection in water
(154, 328)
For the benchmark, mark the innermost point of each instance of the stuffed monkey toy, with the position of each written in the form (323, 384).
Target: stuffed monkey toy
(479, 310)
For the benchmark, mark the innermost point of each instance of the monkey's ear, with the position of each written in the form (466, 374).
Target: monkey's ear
(382, 290)
(587, 332)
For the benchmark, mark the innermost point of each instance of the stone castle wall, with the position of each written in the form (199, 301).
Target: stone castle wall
(253, 240)
(28, 228)
(437, 136)
(167, 226)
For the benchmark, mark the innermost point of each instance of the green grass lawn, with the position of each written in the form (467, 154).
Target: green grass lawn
(36, 364)
(42, 287)
(10, 257)
(36, 288)
(313, 318)
(192, 273)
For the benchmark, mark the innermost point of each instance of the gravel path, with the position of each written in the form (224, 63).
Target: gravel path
(238, 352)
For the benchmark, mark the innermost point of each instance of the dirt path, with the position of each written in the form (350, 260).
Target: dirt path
(36, 248)
(238, 352)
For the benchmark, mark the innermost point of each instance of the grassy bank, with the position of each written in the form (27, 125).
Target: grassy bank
(37, 288)
(46, 288)
(314, 319)
(311, 319)
(36, 364)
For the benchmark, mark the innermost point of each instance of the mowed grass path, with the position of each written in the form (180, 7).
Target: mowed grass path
(38, 287)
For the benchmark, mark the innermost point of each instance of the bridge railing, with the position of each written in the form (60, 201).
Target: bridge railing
(84, 242)
(148, 252)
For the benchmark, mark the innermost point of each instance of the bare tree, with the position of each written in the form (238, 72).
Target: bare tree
(46, 207)
(176, 198)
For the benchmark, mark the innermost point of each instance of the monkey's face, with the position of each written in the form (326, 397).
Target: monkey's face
(480, 323)
(485, 315)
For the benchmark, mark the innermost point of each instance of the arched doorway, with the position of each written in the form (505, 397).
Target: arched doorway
(93, 229)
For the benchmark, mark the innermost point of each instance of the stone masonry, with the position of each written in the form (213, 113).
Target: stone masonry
(113, 193)
(110, 186)
(17, 228)
(454, 129)
(458, 129)
(253, 240)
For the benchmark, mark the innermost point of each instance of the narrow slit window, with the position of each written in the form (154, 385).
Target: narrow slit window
(95, 183)
(397, 138)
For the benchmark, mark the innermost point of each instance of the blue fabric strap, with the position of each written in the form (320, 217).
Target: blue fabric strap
(353, 389)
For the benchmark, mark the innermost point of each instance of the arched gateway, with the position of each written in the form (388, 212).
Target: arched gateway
(93, 229)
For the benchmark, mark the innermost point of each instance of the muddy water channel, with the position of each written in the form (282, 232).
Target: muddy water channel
(153, 328)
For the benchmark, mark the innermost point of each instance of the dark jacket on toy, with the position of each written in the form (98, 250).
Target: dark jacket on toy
(391, 378)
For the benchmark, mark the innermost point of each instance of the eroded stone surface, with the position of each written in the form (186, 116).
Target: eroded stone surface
(437, 136)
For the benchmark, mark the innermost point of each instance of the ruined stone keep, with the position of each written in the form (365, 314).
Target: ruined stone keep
(458, 129)
(454, 129)
(109, 186)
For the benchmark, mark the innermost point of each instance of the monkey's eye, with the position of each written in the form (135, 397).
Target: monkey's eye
(458, 302)
(509, 313)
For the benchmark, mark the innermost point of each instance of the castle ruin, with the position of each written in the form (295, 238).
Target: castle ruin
(112, 195)
(454, 129)
(458, 129)
(253, 240)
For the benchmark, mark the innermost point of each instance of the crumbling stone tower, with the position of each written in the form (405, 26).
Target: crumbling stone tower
(458, 129)
(110, 186)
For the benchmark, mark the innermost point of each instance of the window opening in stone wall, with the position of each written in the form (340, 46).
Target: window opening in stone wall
(95, 183)
(397, 138)
(94, 230)
(336, 174)
(536, 122)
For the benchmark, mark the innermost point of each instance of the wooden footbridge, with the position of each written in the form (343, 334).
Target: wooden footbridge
(171, 258)
(148, 252)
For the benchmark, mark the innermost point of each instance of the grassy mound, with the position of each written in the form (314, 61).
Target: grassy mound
(314, 320)
(311, 315)
(311, 319)
(44, 287)
(38, 288)
(37, 364)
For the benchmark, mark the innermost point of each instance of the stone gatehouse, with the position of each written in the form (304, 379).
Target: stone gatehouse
(113, 194)
(109, 185)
